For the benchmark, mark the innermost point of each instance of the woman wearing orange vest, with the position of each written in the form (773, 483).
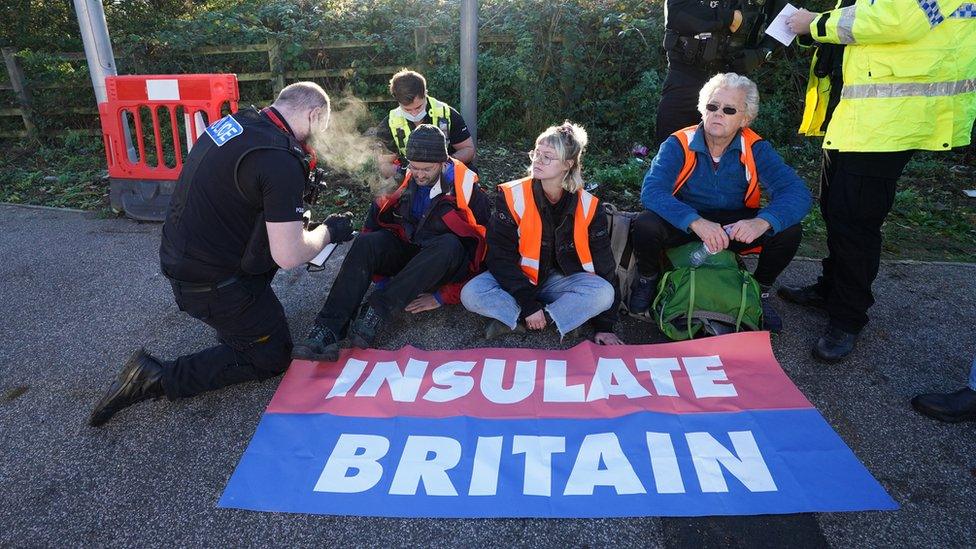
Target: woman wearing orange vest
(705, 184)
(549, 255)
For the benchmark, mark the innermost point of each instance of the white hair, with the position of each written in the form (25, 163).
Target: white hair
(731, 80)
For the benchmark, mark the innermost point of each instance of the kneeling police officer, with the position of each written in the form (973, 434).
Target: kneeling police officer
(235, 218)
(703, 38)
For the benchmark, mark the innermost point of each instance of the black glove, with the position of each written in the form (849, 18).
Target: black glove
(340, 227)
(746, 61)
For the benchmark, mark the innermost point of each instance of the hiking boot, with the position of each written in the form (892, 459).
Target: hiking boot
(321, 345)
(950, 407)
(771, 319)
(498, 328)
(363, 331)
(140, 379)
(834, 345)
(807, 296)
(641, 294)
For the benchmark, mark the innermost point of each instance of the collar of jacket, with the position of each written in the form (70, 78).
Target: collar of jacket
(698, 143)
(541, 202)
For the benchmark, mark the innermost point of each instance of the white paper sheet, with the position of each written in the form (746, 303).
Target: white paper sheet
(778, 28)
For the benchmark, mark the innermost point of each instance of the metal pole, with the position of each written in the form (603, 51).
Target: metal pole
(469, 66)
(100, 57)
(98, 46)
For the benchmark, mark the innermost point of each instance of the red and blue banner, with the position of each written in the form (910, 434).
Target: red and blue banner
(705, 427)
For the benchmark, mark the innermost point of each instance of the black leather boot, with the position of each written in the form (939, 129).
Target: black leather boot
(139, 380)
(948, 407)
(834, 345)
(807, 296)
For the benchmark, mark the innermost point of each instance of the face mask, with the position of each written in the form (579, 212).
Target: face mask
(421, 114)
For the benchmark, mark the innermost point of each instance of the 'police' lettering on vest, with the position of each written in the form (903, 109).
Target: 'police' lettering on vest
(224, 130)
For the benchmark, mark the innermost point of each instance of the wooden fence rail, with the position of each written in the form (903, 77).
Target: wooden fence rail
(276, 74)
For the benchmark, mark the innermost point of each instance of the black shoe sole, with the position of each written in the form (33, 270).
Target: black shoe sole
(129, 372)
(828, 360)
(329, 354)
(818, 305)
(939, 416)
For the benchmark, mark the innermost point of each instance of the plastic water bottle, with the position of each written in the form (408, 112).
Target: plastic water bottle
(701, 253)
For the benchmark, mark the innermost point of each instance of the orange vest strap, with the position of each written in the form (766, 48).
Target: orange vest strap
(747, 138)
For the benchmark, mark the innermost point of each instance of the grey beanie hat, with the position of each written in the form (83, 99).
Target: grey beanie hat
(426, 143)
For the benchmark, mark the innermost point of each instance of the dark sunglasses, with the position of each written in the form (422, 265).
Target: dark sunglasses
(712, 107)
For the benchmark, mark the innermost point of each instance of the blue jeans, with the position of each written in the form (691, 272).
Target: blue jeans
(570, 300)
(972, 375)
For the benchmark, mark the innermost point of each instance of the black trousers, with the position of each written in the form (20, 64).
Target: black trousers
(679, 100)
(652, 235)
(414, 270)
(857, 191)
(255, 343)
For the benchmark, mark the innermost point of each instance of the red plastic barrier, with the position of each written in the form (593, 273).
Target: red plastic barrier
(196, 98)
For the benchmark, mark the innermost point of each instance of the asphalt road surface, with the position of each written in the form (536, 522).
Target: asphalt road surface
(79, 293)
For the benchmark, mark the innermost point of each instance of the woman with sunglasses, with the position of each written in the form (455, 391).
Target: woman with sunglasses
(705, 184)
(549, 258)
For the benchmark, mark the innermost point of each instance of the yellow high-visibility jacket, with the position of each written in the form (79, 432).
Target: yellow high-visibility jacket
(909, 71)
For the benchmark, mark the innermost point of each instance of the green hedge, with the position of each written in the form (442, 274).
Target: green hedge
(606, 72)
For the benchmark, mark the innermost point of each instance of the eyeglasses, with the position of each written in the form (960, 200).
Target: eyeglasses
(712, 107)
(543, 160)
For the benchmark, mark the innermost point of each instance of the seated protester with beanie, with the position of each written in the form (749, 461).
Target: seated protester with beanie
(409, 88)
(704, 184)
(549, 255)
(428, 236)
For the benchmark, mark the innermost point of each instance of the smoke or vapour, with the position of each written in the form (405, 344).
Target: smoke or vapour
(342, 147)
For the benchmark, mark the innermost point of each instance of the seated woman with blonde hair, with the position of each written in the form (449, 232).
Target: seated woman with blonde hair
(549, 257)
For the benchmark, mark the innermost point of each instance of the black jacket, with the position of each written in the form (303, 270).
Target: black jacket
(392, 213)
(558, 251)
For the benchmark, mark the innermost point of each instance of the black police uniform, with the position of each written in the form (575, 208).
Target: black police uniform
(243, 171)
(699, 45)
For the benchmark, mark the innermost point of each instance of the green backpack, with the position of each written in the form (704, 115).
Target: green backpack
(714, 298)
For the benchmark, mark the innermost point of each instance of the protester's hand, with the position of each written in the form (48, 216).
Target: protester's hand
(712, 234)
(340, 227)
(746, 61)
(423, 302)
(748, 230)
(800, 21)
(607, 338)
(536, 320)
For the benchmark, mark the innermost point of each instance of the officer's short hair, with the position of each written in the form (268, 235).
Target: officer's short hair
(407, 85)
(731, 80)
(303, 97)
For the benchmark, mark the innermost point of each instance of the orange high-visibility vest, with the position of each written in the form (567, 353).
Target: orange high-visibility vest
(521, 204)
(464, 181)
(747, 138)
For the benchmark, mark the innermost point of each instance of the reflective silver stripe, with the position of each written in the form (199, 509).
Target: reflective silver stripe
(588, 267)
(933, 89)
(585, 200)
(932, 11)
(518, 200)
(845, 26)
(742, 145)
(534, 263)
(467, 186)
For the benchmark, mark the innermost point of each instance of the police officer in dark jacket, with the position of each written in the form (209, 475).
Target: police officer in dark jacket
(423, 242)
(705, 37)
(235, 218)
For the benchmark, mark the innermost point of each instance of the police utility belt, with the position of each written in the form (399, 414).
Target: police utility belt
(704, 48)
(200, 287)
